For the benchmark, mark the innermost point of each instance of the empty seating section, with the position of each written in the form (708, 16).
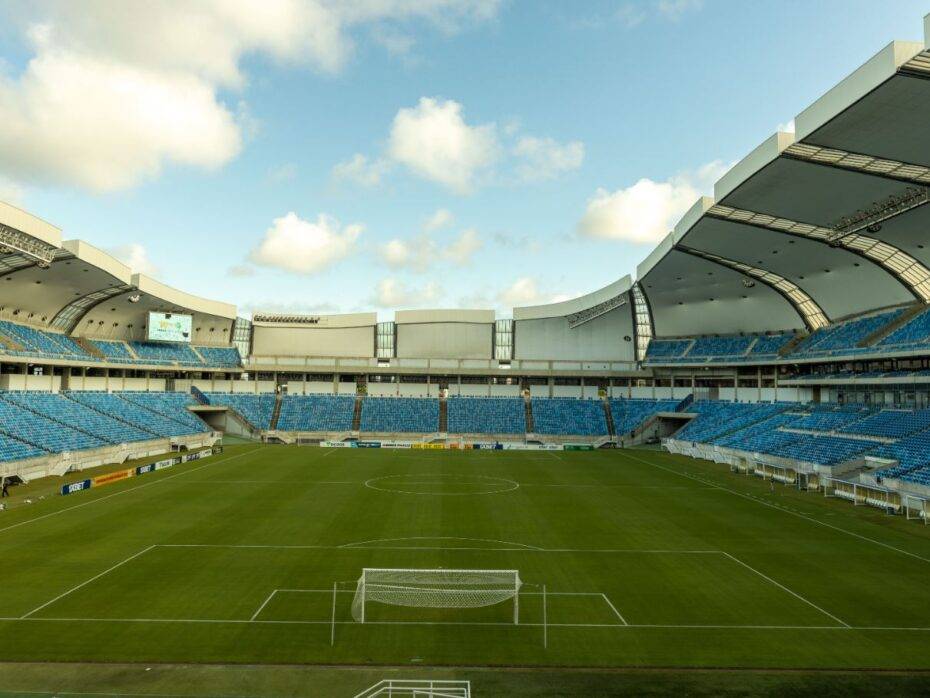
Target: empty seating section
(400, 414)
(826, 421)
(256, 409)
(912, 453)
(770, 345)
(486, 415)
(825, 450)
(705, 347)
(890, 423)
(14, 449)
(627, 414)
(316, 413)
(63, 409)
(39, 343)
(29, 426)
(569, 415)
(222, 357)
(842, 338)
(126, 411)
(914, 332)
(114, 351)
(169, 404)
(718, 418)
(667, 348)
(165, 353)
(740, 437)
(36, 342)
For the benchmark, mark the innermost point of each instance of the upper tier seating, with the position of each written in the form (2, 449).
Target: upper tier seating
(222, 357)
(256, 409)
(166, 353)
(127, 411)
(705, 347)
(768, 346)
(114, 351)
(400, 414)
(840, 339)
(660, 349)
(40, 343)
(915, 333)
(627, 414)
(316, 413)
(569, 415)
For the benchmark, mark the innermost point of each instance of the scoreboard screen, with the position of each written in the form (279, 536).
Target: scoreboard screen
(169, 327)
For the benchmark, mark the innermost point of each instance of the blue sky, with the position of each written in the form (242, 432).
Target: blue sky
(378, 154)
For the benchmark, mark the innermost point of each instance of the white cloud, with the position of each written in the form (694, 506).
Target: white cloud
(433, 141)
(441, 218)
(305, 247)
(523, 291)
(646, 211)
(461, 250)
(420, 253)
(114, 92)
(674, 10)
(361, 170)
(136, 257)
(545, 158)
(394, 293)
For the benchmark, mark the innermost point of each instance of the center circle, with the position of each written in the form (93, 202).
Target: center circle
(441, 484)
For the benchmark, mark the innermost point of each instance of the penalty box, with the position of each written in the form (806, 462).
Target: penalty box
(230, 583)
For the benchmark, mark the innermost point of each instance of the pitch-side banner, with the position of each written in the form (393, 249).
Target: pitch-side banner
(113, 477)
(76, 486)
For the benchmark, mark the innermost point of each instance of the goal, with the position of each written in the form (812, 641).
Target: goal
(436, 588)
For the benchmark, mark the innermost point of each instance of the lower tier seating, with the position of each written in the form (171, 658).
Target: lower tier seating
(255, 408)
(400, 414)
(486, 415)
(628, 414)
(569, 415)
(316, 413)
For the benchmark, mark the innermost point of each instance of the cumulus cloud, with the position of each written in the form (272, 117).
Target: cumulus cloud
(545, 158)
(361, 170)
(434, 142)
(420, 253)
(646, 211)
(305, 247)
(114, 92)
(393, 293)
(136, 257)
(523, 291)
(441, 218)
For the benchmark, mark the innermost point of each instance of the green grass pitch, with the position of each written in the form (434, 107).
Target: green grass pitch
(648, 560)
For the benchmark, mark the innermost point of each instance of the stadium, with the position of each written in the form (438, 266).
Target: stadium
(711, 476)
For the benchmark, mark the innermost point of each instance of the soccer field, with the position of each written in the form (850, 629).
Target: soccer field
(647, 560)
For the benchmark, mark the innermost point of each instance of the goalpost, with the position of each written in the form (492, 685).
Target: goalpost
(436, 588)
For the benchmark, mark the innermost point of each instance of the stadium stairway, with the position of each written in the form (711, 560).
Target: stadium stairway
(276, 412)
(199, 396)
(885, 330)
(789, 346)
(608, 415)
(357, 414)
(443, 416)
(89, 347)
(528, 408)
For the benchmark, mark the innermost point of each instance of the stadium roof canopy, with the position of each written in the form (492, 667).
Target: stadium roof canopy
(73, 286)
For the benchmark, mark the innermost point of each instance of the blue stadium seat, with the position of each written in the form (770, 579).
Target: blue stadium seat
(316, 413)
(568, 416)
(255, 408)
(400, 414)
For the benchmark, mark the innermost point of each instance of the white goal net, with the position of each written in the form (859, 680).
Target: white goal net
(439, 588)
